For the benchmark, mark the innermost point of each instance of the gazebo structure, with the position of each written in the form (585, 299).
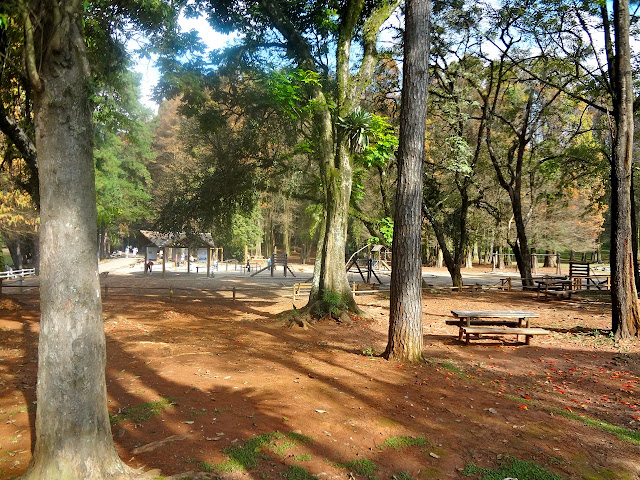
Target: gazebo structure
(156, 242)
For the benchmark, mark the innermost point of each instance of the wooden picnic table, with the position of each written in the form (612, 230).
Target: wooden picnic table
(553, 286)
(496, 322)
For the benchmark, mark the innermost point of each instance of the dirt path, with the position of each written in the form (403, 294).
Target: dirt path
(192, 379)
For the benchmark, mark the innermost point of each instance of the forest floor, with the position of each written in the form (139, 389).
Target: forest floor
(201, 386)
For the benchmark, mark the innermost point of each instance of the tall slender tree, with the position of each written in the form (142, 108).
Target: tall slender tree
(405, 313)
(625, 318)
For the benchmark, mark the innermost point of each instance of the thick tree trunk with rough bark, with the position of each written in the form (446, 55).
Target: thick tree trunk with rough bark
(330, 274)
(72, 422)
(624, 296)
(405, 312)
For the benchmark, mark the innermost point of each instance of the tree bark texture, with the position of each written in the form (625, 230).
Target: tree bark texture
(405, 314)
(624, 296)
(72, 423)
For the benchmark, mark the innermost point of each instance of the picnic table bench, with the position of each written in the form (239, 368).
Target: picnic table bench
(495, 322)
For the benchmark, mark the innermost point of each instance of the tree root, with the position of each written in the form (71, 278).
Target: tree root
(305, 319)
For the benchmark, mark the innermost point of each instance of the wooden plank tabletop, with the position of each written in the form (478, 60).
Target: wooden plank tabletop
(494, 313)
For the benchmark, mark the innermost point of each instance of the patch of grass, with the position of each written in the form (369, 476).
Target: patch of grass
(511, 468)
(304, 457)
(369, 352)
(299, 438)
(401, 476)
(282, 448)
(205, 466)
(518, 399)
(624, 434)
(447, 365)
(297, 473)
(361, 466)
(246, 456)
(21, 410)
(142, 412)
(402, 442)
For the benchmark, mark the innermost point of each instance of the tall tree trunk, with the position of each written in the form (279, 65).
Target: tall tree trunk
(405, 312)
(624, 297)
(469, 259)
(14, 244)
(72, 422)
(330, 274)
(634, 235)
(550, 259)
(286, 224)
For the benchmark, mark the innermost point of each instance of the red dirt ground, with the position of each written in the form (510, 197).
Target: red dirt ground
(228, 371)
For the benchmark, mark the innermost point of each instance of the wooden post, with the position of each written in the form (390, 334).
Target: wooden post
(273, 262)
(493, 262)
(234, 294)
(558, 268)
(164, 262)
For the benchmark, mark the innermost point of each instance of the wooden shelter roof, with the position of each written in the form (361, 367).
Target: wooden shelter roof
(177, 240)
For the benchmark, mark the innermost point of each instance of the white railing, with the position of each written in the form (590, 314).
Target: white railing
(25, 272)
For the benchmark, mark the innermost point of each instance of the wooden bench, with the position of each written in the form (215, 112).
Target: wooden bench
(528, 332)
(300, 289)
(554, 286)
(495, 322)
(582, 270)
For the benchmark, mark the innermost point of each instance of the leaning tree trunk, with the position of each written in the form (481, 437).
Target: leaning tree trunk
(521, 246)
(451, 261)
(405, 311)
(624, 296)
(72, 422)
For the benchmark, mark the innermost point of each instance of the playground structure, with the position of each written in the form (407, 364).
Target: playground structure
(377, 261)
(273, 262)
